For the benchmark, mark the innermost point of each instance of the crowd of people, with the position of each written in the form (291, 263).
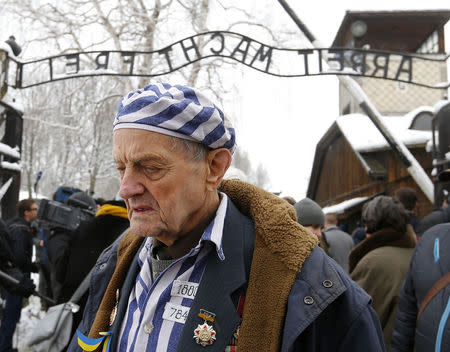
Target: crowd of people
(383, 257)
(184, 258)
(63, 257)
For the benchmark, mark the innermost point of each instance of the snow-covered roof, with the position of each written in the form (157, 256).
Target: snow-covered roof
(363, 136)
(342, 207)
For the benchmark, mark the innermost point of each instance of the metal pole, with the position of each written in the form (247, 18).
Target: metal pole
(15, 282)
(414, 168)
(12, 138)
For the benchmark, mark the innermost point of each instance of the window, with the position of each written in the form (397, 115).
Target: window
(422, 121)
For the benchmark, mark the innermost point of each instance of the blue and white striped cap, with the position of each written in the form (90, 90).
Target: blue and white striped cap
(177, 111)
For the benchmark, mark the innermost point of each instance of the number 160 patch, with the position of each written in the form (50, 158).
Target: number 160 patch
(184, 289)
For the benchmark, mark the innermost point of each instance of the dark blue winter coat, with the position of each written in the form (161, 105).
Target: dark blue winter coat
(430, 261)
(22, 243)
(326, 310)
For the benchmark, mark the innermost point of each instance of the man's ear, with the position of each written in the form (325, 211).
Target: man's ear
(219, 161)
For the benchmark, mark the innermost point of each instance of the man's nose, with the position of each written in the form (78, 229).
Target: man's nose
(130, 185)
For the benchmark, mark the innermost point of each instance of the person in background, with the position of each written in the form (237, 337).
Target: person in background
(379, 263)
(40, 245)
(211, 264)
(408, 197)
(358, 234)
(339, 242)
(21, 237)
(59, 242)
(438, 216)
(99, 201)
(85, 245)
(311, 216)
(8, 265)
(428, 330)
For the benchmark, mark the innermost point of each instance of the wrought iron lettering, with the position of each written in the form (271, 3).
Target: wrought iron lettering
(222, 41)
(104, 55)
(275, 61)
(129, 59)
(187, 48)
(73, 60)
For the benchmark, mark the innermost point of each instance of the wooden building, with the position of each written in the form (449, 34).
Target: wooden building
(353, 162)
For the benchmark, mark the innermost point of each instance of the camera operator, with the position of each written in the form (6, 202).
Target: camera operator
(7, 264)
(60, 240)
(18, 253)
(86, 242)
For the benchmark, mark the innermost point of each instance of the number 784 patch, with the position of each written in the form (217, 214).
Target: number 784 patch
(175, 312)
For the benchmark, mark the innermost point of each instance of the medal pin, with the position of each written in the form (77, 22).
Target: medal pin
(204, 334)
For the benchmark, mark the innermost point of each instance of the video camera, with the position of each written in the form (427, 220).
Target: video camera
(68, 216)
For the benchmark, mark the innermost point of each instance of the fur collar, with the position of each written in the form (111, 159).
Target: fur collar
(382, 238)
(275, 222)
(281, 247)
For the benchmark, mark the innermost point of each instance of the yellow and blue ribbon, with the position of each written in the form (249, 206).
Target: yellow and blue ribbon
(89, 344)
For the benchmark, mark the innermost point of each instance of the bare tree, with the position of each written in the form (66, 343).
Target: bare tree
(68, 124)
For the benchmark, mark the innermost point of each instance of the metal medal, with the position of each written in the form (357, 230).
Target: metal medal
(204, 334)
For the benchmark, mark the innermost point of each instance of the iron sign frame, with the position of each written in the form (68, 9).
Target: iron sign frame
(227, 45)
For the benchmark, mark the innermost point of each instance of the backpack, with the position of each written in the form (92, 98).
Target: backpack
(437, 299)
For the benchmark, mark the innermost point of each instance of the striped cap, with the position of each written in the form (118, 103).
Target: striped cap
(177, 111)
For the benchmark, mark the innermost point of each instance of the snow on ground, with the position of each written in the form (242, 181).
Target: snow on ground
(29, 318)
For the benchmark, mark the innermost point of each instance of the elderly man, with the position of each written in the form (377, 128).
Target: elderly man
(210, 265)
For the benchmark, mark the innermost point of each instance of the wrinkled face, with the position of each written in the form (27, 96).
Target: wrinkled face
(165, 191)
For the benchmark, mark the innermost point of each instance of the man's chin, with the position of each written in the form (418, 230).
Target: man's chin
(140, 230)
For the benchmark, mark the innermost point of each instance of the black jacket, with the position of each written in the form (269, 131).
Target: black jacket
(22, 243)
(7, 261)
(73, 254)
(88, 241)
(429, 262)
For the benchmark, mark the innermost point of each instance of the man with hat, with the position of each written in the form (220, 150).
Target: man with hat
(310, 215)
(210, 265)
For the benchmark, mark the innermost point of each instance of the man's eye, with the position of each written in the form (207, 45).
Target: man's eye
(154, 172)
(120, 169)
(151, 170)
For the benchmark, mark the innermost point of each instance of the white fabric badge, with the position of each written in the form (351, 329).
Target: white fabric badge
(175, 312)
(184, 289)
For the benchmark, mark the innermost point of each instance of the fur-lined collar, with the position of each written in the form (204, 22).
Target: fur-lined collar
(281, 247)
(382, 238)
